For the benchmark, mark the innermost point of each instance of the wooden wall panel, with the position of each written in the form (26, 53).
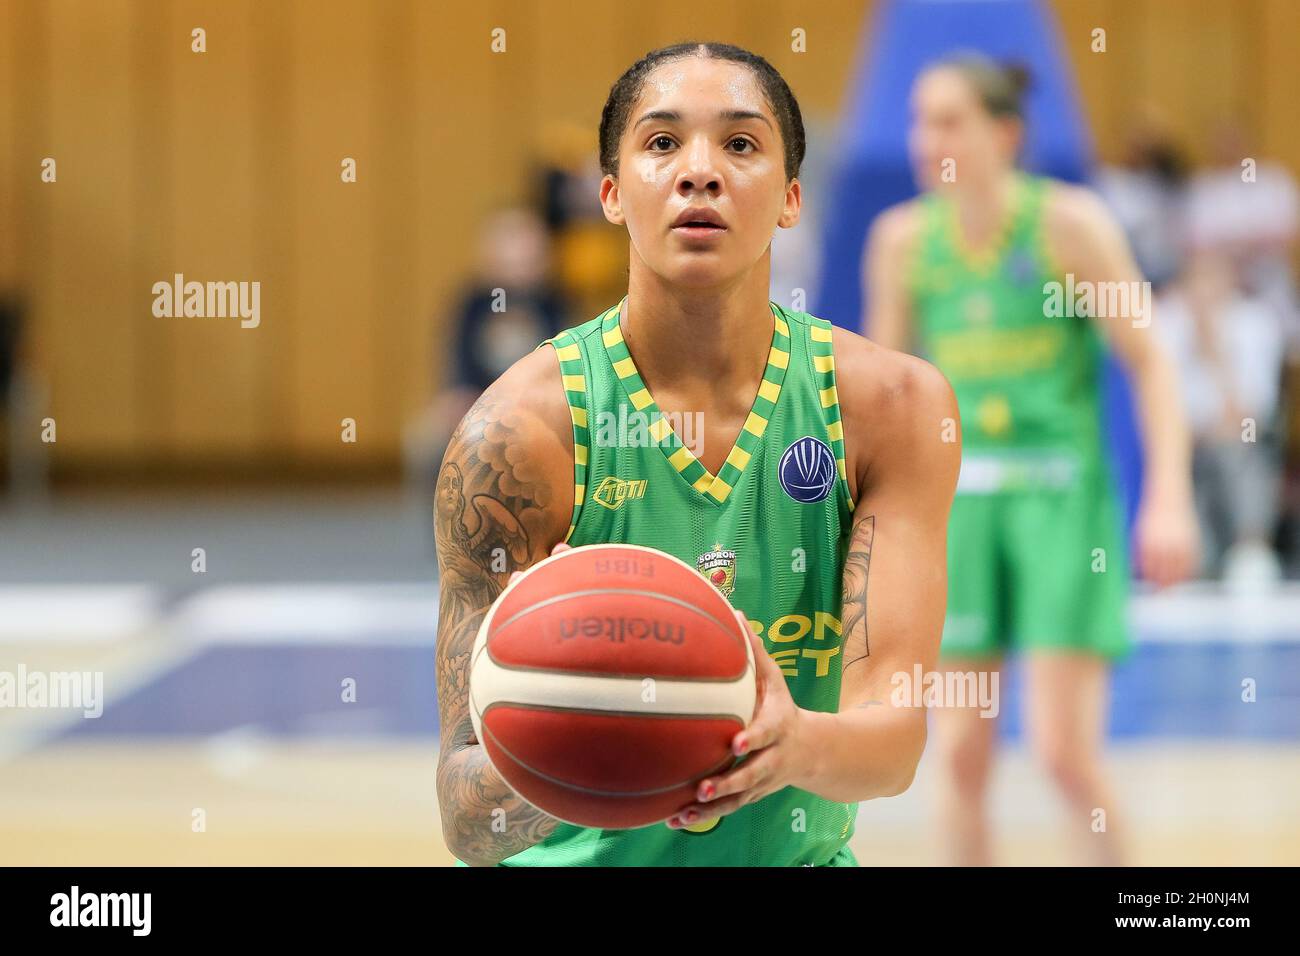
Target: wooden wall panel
(9, 160)
(87, 303)
(214, 220)
(154, 32)
(335, 336)
(397, 385)
(1278, 86)
(276, 236)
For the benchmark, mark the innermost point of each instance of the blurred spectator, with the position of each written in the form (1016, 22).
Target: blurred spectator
(1229, 346)
(506, 310)
(590, 252)
(1245, 208)
(511, 307)
(1146, 194)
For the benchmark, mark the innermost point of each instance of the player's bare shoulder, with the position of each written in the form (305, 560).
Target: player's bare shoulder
(894, 232)
(1077, 222)
(891, 402)
(505, 489)
(1069, 205)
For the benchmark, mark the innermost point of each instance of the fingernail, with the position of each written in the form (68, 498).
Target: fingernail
(691, 816)
(707, 791)
(742, 745)
(673, 823)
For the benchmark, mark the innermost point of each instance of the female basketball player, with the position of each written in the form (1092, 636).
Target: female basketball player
(820, 455)
(976, 272)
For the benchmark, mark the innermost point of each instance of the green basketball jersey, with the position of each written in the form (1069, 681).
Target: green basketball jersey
(769, 530)
(1026, 379)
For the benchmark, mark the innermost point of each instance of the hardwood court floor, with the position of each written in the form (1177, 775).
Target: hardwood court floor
(266, 802)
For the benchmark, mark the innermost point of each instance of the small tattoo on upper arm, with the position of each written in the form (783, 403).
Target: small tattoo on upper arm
(854, 613)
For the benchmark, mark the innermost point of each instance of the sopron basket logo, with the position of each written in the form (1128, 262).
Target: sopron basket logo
(807, 470)
(612, 492)
(719, 566)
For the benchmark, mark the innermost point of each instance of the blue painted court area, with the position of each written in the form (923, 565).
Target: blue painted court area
(1194, 691)
(1164, 690)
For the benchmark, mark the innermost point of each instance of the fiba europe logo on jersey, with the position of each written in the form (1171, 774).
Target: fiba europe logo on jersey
(807, 470)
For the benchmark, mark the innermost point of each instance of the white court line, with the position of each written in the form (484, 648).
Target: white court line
(76, 613)
(159, 655)
(347, 613)
(1205, 614)
(382, 614)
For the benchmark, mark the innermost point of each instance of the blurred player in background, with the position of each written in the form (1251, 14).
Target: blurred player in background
(792, 489)
(1036, 554)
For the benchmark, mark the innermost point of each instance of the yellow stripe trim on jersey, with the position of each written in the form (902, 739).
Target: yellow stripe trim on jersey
(739, 458)
(624, 368)
(660, 429)
(578, 493)
(681, 458)
(579, 415)
(819, 334)
(580, 454)
(829, 396)
(824, 363)
(769, 390)
(781, 326)
(641, 399)
(568, 352)
(755, 424)
(703, 482)
(835, 430)
(719, 489)
(575, 383)
(613, 336)
(839, 462)
(778, 358)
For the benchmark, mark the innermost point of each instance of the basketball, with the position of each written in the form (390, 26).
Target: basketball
(606, 681)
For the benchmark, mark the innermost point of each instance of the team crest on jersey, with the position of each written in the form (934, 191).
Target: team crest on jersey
(719, 566)
(807, 470)
(1021, 268)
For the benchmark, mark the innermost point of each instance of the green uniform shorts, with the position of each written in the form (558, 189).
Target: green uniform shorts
(1033, 569)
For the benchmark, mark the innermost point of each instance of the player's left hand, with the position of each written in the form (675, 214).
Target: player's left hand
(773, 739)
(1166, 539)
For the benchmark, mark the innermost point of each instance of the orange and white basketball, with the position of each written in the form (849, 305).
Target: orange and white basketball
(606, 681)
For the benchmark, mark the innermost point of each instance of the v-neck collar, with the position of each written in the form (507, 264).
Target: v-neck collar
(710, 487)
(984, 258)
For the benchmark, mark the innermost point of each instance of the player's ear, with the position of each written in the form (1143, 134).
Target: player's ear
(609, 200)
(1012, 132)
(793, 204)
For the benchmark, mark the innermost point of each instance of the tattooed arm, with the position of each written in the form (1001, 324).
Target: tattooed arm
(504, 497)
(903, 441)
